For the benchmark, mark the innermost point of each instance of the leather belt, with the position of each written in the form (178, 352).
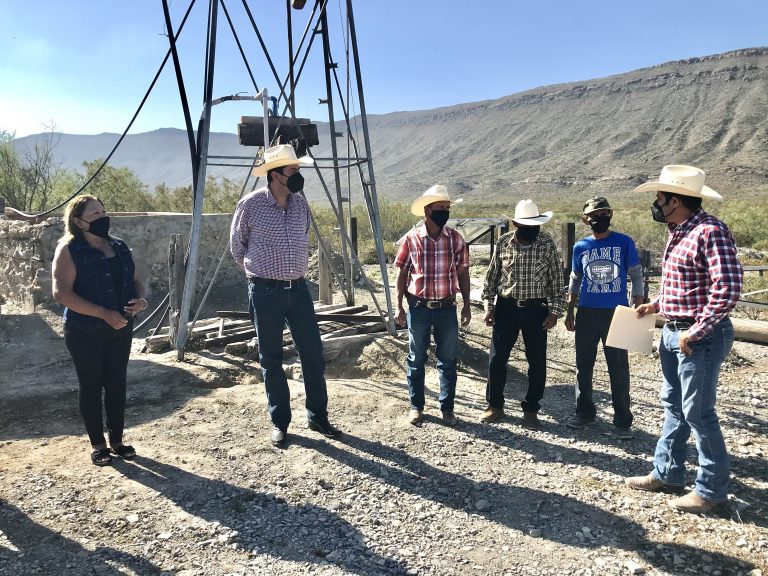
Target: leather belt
(681, 324)
(431, 304)
(529, 303)
(272, 283)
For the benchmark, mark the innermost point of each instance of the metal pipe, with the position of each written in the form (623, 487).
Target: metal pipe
(204, 129)
(328, 64)
(373, 206)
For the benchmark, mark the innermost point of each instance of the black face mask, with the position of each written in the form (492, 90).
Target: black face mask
(657, 212)
(99, 227)
(440, 217)
(528, 233)
(599, 224)
(295, 182)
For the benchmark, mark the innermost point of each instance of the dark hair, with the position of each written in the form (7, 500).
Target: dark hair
(278, 170)
(693, 203)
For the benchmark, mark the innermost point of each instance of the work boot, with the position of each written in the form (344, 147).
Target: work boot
(491, 415)
(277, 437)
(449, 419)
(415, 416)
(531, 421)
(579, 422)
(650, 483)
(692, 503)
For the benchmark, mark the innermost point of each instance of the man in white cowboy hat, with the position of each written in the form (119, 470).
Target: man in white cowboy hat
(269, 239)
(434, 266)
(700, 284)
(600, 265)
(523, 293)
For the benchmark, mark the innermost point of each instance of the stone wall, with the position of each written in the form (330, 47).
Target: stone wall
(26, 253)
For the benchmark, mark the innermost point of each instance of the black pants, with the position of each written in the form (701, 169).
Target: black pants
(510, 320)
(592, 326)
(101, 362)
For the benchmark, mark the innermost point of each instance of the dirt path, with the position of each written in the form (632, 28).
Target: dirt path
(208, 494)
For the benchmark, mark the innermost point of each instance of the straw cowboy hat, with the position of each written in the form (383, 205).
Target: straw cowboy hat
(527, 214)
(681, 179)
(279, 156)
(438, 193)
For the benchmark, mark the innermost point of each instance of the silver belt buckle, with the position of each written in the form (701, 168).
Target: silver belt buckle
(432, 304)
(289, 285)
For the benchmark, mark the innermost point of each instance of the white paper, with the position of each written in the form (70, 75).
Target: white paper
(631, 333)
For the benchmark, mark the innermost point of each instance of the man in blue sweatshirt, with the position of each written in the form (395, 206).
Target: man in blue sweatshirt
(601, 264)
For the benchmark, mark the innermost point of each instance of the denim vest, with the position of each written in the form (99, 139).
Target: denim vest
(93, 281)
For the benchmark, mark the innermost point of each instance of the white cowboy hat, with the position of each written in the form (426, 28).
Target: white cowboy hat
(438, 193)
(681, 179)
(279, 156)
(527, 214)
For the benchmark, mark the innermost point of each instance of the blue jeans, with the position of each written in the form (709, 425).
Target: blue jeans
(510, 320)
(688, 395)
(421, 323)
(271, 308)
(592, 326)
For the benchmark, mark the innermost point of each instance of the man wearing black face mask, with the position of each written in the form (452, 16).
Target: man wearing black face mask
(601, 263)
(269, 239)
(701, 282)
(523, 293)
(434, 266)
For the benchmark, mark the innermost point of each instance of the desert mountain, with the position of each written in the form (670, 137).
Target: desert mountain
(604, 135)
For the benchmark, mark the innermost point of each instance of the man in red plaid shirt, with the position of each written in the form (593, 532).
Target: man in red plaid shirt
(700, 285)
(434, 266)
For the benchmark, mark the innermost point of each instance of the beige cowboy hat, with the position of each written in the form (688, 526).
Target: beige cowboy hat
(279, 156)
(681, 179)
(527, 214)
(438, 193)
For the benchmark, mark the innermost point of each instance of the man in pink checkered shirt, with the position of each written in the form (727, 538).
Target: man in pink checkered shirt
(434, 266)
(700, 284)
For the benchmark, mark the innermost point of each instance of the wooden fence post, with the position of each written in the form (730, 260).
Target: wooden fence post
(568, 239)
(175, 284)
(645, 260)
(325, 278)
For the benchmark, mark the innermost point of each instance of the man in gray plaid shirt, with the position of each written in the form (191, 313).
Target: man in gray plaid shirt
(524, 292)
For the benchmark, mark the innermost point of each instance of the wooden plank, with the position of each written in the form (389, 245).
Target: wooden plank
(245, 334)
(367, 328)
(239, 314)
(349, 317)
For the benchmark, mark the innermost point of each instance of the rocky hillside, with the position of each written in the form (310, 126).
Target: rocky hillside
(604, 135)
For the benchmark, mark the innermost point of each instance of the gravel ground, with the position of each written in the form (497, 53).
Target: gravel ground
(208, 494)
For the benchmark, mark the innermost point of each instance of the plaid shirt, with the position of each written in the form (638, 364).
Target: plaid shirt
(433, 264)
(700, 276)
(268, 241)
(523, 272)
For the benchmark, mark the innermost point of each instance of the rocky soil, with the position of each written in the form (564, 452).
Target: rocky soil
(208, 495)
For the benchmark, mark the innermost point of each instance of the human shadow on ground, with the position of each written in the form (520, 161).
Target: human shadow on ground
(750, 503)
(304, 533)
(43, 551)
(53, 408)
(516, 507)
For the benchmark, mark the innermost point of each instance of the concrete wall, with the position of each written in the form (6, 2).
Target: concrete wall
(26, 253)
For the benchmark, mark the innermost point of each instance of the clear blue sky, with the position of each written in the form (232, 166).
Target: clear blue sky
(84, 66)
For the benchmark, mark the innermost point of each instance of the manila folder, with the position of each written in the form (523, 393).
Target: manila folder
(631, 333)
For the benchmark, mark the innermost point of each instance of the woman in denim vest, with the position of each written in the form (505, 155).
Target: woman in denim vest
(94, 277)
